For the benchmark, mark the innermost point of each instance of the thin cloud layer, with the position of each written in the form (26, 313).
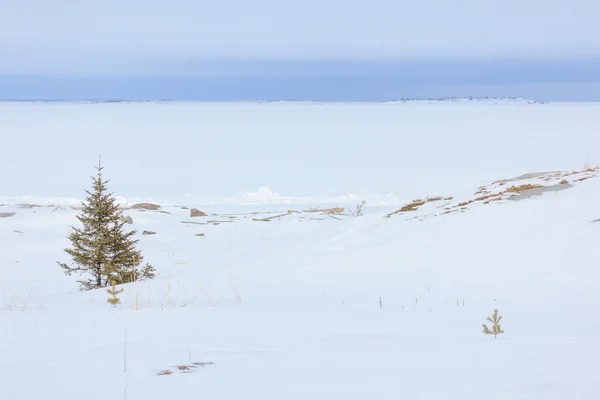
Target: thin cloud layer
(135, 36)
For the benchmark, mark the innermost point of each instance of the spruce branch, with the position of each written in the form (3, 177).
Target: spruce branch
(495, 329)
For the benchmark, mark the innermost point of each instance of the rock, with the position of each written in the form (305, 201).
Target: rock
(194, 212)
(199, 234)
(145, 206)
(538, 191)
(148, 233)
(7, 214)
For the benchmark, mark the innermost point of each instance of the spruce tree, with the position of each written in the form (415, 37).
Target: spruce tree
(113, 299)
(496, 329)
(102, 251)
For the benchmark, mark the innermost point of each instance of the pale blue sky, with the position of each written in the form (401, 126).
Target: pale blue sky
(265, 49)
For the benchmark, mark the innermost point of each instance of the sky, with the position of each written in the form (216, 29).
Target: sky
(305, 50)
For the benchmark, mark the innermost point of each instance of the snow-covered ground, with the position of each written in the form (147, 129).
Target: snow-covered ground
(285, 297)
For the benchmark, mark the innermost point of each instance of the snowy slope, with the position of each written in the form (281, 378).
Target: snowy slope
(287, 299)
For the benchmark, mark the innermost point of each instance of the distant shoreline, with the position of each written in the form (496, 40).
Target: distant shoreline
(291, 101)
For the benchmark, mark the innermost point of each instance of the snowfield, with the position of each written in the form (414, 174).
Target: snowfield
(285, 295)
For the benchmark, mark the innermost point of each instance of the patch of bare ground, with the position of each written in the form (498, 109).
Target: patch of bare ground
(7, 214)
(267, 219)
(334, 210)
(29, 206)
(186, 369)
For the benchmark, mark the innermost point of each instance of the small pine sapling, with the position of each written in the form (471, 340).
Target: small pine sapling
(113, 291)
(496, 329)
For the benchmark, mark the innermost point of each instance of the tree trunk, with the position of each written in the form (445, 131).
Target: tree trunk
(98, 275)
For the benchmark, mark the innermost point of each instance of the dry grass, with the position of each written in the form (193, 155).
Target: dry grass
(18, 303)
(413, 206)
(485, 195)
(517, 189)
(236, 293)
(7, 214)
(494, 199)
(489, 196)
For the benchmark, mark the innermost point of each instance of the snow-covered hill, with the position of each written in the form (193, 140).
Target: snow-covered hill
(278, 291)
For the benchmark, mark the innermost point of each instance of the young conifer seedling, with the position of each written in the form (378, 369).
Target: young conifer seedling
(496, 329)
(113, 291)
